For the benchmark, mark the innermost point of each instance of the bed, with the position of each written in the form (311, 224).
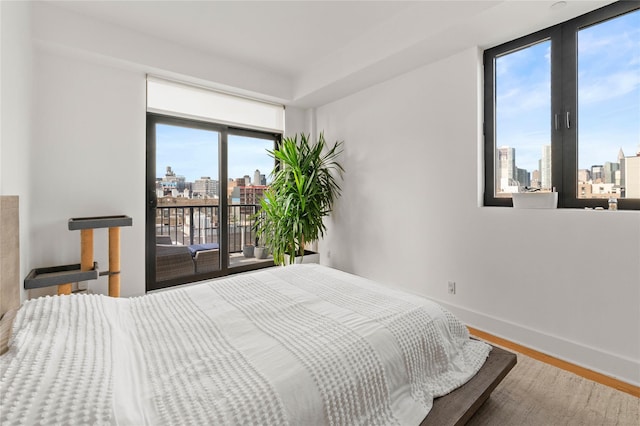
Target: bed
(299, 345)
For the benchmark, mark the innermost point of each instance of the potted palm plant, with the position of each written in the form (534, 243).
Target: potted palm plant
(301, 194)
(261, 250)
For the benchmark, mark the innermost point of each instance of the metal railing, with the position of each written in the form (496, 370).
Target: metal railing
(198, 224)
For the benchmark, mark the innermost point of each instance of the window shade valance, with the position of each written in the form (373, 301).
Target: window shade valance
(187, 101)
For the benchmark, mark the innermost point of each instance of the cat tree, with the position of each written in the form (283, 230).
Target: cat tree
(65, 275)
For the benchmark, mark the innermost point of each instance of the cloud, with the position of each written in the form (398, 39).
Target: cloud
(615, 37)
(519, 100)
(598, 88)
(528, 57)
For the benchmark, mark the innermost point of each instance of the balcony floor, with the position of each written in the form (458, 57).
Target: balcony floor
(238, 259)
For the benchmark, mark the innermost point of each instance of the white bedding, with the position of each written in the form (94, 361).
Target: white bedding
(299, 345)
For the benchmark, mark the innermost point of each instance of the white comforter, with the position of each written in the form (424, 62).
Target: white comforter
(300, 345)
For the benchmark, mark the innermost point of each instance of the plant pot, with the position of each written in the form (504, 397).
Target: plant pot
(261, 252)
(535, 200)
(309, 257)
(247, 251)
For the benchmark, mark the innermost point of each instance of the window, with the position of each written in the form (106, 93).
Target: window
(562, 112)
(207, 169)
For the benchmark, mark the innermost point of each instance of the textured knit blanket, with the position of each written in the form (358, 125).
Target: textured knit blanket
(299, 345)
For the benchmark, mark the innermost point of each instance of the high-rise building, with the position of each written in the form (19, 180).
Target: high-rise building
(609, 172)
(535, 178)
(506, 168)
(545, 168)
(618, 178)
(259, 179)
(523, 177)
(621, 159)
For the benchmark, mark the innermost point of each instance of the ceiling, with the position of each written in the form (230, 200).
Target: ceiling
(328, 49)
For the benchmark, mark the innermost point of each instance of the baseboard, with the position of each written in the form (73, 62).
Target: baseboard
(589, 362)
(558, 363)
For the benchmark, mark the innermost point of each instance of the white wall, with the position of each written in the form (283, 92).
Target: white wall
(565, 282)
(87, 159)
(15, 110)
(298, 120)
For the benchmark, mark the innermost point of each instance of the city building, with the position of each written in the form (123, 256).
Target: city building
(584, 175)
(609, 172)
(584, 189)
(507, 169)
(171, 184)
(251, 194)
(632, 176)
(535, 178)
(597, 173)
(206, 187)
(259, 178)
(602, 190)
(545, 168)
(621, 158)
(523, 177)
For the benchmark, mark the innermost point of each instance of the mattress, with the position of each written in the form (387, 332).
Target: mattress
(300, 345)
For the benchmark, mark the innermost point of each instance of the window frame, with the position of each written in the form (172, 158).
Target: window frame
(564, 100)
(224, 131)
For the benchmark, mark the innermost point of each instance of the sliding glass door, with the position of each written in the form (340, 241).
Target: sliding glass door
(204, 185)
(249, 168)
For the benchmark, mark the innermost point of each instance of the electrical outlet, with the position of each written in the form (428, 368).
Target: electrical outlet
(451, 286)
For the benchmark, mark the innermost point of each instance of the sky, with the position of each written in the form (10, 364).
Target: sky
(608, 95)
(193, 153)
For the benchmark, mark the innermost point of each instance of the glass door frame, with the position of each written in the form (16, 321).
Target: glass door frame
(151, 200)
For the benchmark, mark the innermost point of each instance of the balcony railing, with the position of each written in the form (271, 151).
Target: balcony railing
(198, 224)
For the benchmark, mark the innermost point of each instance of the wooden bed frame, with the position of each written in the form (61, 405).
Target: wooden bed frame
(460, 405)
(455, 408)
